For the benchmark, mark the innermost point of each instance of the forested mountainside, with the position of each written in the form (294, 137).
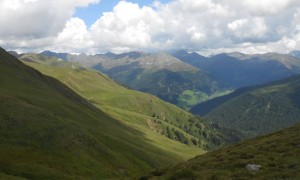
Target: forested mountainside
(256, 110)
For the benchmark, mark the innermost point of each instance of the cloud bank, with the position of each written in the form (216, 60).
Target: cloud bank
(207, 26)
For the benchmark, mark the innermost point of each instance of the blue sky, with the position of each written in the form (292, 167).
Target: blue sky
(91, 13)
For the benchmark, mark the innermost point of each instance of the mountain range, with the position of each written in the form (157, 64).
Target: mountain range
(63, 119)
(186, 79)
(236, 70)
(159, 74)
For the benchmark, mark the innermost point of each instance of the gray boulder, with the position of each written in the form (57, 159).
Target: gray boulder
(252, 167)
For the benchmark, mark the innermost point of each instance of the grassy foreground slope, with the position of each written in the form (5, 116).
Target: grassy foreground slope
(144, 112)
(47, 131)
(278, 154)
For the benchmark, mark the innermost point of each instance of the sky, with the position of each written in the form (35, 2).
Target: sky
(93, 11)
(98, 26)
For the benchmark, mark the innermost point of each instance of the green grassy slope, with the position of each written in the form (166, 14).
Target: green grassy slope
(278, 154)
(47, 131)
(259, 109)
(142, 111)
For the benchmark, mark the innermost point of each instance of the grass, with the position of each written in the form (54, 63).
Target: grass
(277, 153)
(190, 98)
(135, 109)
(47, 131)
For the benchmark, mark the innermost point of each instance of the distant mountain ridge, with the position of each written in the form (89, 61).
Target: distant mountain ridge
(235, 70)
(186, 79)
(132, 54)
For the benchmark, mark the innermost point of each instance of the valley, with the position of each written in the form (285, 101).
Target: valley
(162, 89)
(130, 105)
(93, 112)
(124, 114)
(49, 131)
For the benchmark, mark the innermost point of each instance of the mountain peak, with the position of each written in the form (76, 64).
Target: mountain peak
(163, 60)
(63, 56)
(131, 54)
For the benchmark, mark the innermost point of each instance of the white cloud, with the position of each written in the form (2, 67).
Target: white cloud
(237, 24)
(30, 1)
(127, 26)
(266, 6)
(35, 18)
(248, 28)
(193, 25)
(202, 25)
(74, 37)
(195, 34)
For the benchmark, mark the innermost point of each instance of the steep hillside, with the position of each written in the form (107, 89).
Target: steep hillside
(236, 70)
(47, 131)
(136, 109)
(276, 155)
(258, 110)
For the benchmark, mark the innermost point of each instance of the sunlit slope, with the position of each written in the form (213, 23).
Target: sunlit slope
(142, 111)
(47, 131)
